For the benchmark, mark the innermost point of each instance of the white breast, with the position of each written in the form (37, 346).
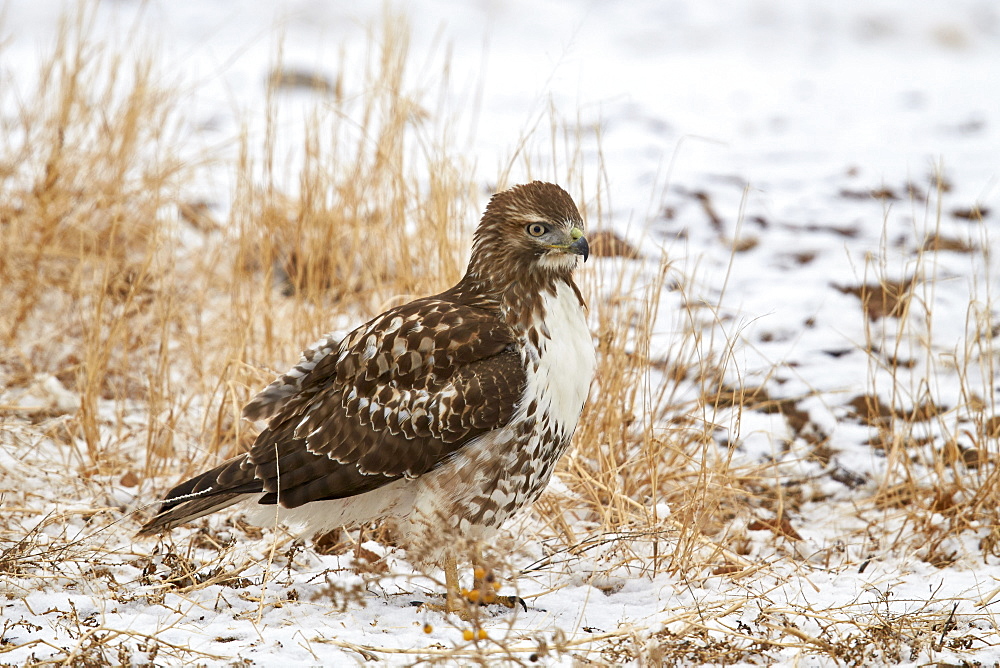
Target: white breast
(566, 360)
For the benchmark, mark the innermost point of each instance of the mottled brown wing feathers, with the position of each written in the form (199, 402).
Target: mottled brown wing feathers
(401, 394)
(394, 399)
(408, 373)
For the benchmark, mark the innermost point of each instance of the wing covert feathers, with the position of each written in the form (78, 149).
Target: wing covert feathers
(395, 398)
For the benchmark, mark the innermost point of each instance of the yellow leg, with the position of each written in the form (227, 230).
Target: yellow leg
(453, 600)
(457, 600)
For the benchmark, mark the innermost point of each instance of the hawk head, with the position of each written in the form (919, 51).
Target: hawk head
(530, 231)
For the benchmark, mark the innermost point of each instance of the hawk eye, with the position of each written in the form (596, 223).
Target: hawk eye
(537, 229)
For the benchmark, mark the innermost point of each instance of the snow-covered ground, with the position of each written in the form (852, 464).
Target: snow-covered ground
(809, 136)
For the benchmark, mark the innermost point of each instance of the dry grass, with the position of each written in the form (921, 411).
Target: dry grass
(136, 325)
(941, 450)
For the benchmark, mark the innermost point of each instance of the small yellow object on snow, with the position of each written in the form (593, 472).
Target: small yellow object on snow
(469, 634)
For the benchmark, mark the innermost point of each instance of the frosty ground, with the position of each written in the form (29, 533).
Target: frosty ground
(798, 206)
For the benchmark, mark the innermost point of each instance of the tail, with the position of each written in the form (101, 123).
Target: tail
(203, 494)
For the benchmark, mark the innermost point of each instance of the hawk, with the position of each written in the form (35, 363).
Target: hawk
(447, 414)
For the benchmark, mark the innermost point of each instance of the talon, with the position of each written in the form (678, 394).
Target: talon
(485, 588)
(512, 602)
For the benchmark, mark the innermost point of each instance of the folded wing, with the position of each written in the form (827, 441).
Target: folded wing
(395, 399)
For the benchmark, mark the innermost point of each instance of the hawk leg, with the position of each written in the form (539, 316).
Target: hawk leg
(453, 602)
(483, 592)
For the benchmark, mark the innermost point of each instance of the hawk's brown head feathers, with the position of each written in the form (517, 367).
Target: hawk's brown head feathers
(531, 233)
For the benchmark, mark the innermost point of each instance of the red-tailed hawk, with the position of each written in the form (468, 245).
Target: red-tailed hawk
(448, 413)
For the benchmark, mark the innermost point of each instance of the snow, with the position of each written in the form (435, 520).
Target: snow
(783, 112)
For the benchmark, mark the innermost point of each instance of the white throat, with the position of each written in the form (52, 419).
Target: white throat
(566, 360)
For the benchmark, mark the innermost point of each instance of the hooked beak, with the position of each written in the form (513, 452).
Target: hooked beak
(579, 246)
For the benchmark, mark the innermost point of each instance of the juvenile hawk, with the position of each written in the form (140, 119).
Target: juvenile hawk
(448, 413)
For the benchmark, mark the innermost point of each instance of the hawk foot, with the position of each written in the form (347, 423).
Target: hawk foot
(464, 602)
(464, 606)
(484, 591)
(456, 607)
